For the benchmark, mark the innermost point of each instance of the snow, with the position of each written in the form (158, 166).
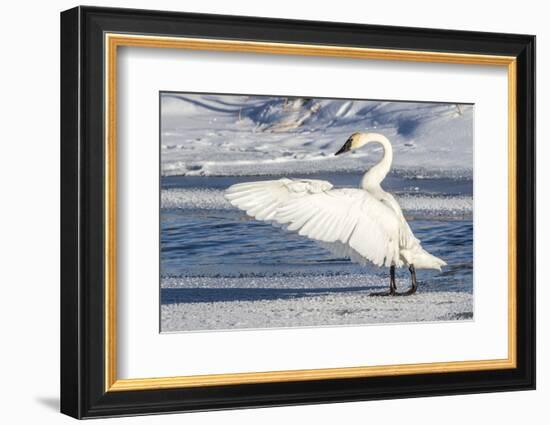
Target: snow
(427, 204)
(258, 135)
(279, 302)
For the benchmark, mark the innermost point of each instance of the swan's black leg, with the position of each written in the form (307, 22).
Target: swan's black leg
(414, 285)
(393, 287)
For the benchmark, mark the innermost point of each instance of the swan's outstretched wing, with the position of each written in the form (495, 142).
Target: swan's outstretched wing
(351, 218)
(262, 199)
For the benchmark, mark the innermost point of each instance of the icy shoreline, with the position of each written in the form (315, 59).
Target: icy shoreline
(326, 310)
(191, 304)
(434, 205)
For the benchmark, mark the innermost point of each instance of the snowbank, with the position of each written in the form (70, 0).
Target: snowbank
(256, 135)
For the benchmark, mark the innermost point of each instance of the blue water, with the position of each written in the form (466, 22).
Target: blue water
(224, 242)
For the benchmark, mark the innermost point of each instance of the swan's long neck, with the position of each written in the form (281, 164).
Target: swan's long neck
(372, 178)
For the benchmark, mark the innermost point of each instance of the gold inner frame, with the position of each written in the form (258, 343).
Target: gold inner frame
(113, 41)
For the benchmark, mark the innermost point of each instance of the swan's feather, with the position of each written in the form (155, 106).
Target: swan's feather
(362, 227)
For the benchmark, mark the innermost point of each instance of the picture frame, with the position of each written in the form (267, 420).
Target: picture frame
(90, 40)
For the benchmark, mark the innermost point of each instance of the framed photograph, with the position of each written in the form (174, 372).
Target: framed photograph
(261, 212)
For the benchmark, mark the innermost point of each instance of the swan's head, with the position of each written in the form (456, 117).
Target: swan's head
(355, 141)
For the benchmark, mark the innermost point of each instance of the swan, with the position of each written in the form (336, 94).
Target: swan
(364, 224)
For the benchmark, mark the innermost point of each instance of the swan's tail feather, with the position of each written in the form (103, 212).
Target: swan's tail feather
(422, 259)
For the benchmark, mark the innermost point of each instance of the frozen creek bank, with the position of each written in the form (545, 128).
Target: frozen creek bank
(273, 302)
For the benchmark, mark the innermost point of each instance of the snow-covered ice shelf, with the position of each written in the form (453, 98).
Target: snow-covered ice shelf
(214, 199)
(275, 302)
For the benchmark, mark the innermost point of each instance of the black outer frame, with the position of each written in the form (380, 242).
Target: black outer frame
(82, 218)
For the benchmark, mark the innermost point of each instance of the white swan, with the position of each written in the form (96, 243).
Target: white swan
(363, 224)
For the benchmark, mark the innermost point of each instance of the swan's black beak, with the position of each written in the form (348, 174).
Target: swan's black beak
(345, 148)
